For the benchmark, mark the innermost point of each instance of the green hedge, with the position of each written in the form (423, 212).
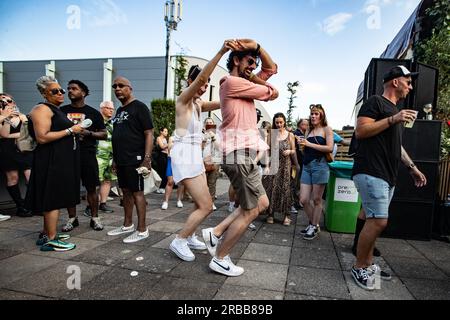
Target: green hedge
(163, 112)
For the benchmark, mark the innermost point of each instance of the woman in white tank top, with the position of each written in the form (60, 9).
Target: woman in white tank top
(186, 154)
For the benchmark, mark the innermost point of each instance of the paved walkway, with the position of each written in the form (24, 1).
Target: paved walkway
(278, 263)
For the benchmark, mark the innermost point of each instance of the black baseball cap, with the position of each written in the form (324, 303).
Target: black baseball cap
(397, 72)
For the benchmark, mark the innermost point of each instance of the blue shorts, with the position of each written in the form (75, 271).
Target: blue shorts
(316, 172)
(169, 167)
(376, 195)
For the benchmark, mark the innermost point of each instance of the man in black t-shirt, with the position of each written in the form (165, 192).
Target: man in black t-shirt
(78, 111)
(132, 142)
(379, 132)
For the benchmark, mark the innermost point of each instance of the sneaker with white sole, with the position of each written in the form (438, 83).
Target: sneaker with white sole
(179, 204)
(211, 240)
(70, 225)
(231, 207)
(214, 207)
(121, 230)
(136, 236)
(181, 249)
(96, 224)
(195, 244)
(375, 269)
(164, 205)
(252, 227)
(312, 233)
(304, 231)
(363, 278)
(293, 210)
(226, 267)
(4, 217)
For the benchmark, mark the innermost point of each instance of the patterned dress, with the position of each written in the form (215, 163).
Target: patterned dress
(278, 186)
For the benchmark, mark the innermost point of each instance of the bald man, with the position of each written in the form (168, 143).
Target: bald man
(132, 141)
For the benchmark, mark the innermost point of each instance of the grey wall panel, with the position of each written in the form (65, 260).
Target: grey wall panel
(26, 66)
(80, 65)
(139, 63)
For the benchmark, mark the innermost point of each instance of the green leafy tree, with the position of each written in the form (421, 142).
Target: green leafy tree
(434, 50)
(180, 73)
(292, 89)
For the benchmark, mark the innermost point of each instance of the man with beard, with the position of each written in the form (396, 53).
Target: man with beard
(78, 111)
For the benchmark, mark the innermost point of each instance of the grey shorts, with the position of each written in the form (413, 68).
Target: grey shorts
(376, 195)
(246, 181)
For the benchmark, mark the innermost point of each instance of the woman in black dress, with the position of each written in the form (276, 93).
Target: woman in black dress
(12, 161)
(55, 179)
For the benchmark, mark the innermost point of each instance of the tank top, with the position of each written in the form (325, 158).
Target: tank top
(313, 154)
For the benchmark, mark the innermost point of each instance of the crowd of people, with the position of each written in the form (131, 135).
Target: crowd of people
(272, 169)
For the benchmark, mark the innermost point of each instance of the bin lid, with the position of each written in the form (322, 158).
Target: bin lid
(342, 169)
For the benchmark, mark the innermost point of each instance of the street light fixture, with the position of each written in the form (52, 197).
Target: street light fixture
(172, 16)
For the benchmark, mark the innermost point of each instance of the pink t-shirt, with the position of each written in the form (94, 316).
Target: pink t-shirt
(239, 129)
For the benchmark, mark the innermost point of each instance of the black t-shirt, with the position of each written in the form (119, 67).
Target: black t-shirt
(128, 139)
(76, 115)
(380, 155)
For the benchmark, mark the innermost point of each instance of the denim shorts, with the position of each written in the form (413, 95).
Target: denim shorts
(376, 195)
(316, 172)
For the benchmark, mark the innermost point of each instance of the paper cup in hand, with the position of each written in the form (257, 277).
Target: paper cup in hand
(410, 124)
(86, 123)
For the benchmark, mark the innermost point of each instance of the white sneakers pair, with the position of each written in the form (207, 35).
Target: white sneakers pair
(4, 217)
(165, 205)
(182, 247)
(134, 237)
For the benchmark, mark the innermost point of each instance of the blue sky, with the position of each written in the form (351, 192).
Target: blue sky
(324, 44)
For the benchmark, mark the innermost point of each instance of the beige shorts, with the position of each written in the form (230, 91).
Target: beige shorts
(246, 180)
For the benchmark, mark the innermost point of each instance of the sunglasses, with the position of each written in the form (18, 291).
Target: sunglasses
(252, 61)
(55, 91)
(119, 85)
(8, 100)
(318, 106)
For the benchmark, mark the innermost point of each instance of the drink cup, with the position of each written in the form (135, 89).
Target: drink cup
(410, 124)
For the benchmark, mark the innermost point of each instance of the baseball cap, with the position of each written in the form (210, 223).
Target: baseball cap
(397, 72)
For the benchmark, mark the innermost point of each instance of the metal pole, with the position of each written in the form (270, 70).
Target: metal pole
(167, 62)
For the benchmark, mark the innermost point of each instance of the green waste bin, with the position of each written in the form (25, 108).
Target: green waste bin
(343, 201)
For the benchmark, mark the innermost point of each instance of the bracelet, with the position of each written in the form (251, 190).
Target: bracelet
(390, 120)
(148, 156)
(68, 132)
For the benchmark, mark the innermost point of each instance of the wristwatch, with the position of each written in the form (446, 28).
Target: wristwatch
(411, 165)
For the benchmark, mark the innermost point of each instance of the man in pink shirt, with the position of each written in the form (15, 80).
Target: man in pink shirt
(241, 142)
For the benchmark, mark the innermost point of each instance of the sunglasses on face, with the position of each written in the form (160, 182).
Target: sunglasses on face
(8, 100)
(119, 85)
(252, 61)
(55, 91)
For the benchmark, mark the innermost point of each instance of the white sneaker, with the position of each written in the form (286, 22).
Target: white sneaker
(4, 217)
(231, 207)
(181, 249)
(211, 240)
(121, 230)
(161, 191)
(165, 205)
(179, 204)
(226, 267)
(293, 210)
(251, 226)
(136, 236)
(195, 244)
(214, 207)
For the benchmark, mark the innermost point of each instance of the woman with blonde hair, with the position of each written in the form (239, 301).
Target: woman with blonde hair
(318, 142)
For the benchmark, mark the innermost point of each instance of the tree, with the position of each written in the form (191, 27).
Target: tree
(434, 50)
(180, 73)
(163, 114)
(292, 89)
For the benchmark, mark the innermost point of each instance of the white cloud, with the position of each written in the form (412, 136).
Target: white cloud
(335, 23)
(107, 13)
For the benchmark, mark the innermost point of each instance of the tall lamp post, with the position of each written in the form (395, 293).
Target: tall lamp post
(172, 16)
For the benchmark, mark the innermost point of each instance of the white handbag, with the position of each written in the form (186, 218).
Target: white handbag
(152, 182)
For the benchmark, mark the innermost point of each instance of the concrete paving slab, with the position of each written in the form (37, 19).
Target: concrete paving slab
(385, 290)
(433, 250)
(347, 260)
(444, 266)
(39, 284)
(170, 288)
(399, 249)
(23, 265)
(262, 275)
(10, 234)
(6, 253)
(415, 268)
(274, 238)
(13, 295)
(115, 284)
(198, 270)
(21, 244)
(426, 289)
(110, 254)
(322, 241)
(240, 293)
(166, 226)
(153, 237)
(294, 296)
(82, 245)
(267, 253)
(317, 282)
(154, 260)
(278, 227)
(315, 257)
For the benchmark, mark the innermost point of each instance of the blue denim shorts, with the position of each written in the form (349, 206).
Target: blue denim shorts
(376, 195)
(315, 172)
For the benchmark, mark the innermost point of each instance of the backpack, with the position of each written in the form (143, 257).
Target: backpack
(25, 142)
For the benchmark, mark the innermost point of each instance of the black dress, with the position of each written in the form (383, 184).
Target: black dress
(55, 178)
(10, 157)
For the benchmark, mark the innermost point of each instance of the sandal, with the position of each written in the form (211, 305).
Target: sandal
(269, 220)
(287, 221)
